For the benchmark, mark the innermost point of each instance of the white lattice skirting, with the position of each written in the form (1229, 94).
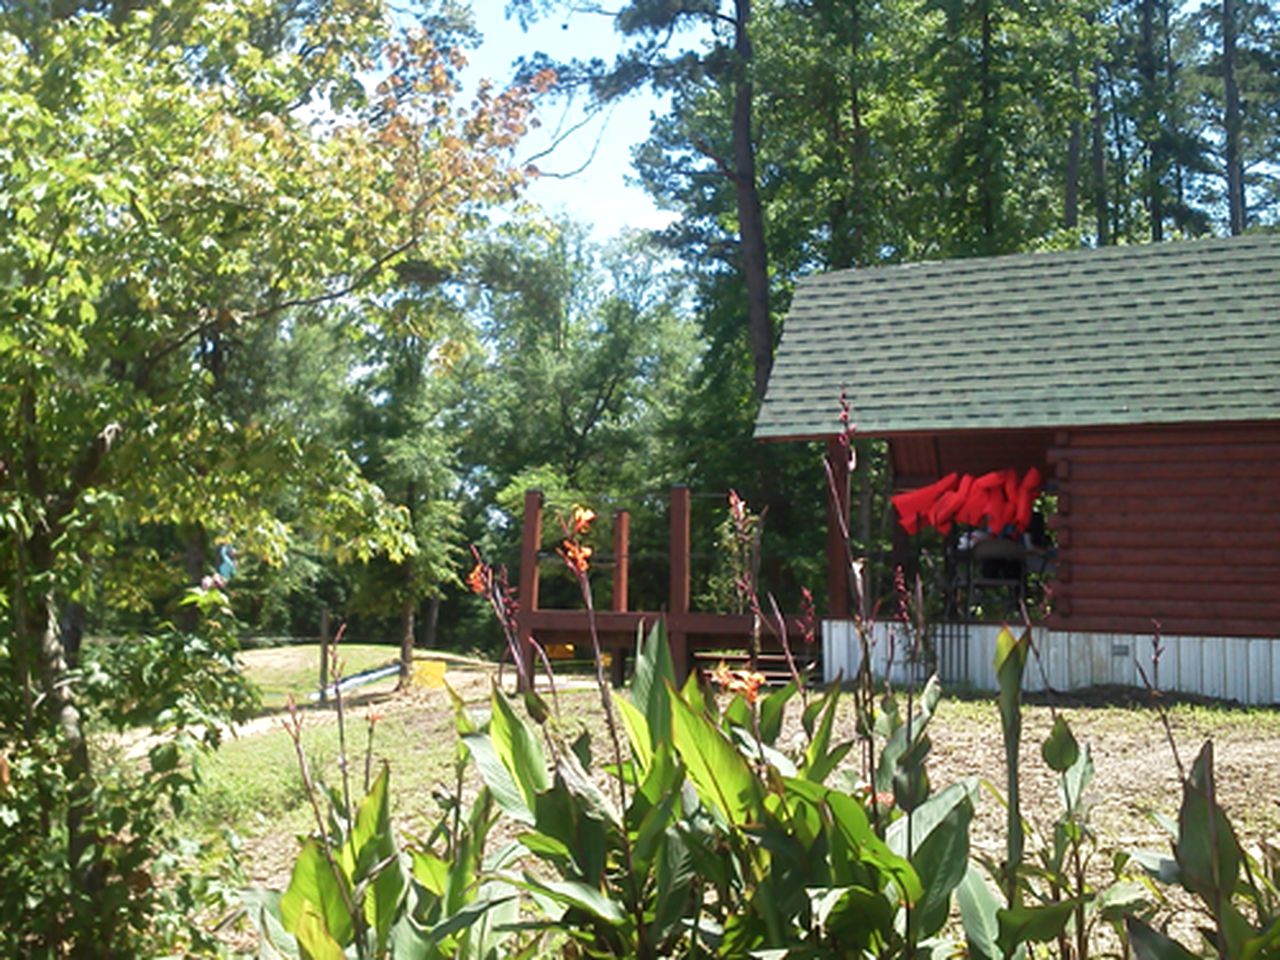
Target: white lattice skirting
(1245, 669)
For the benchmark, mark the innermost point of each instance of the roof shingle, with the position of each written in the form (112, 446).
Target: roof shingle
(1160, 333)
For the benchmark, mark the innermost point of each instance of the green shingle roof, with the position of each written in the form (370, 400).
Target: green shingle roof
(1160, 333)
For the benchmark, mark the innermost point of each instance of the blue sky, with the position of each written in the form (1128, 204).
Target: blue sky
(598, 195)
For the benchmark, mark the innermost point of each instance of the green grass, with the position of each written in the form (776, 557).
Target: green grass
(295, 670)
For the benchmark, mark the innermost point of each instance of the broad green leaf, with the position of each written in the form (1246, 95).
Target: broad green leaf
(1122, 899)
(638, 735)
(911, 776)
(1264, 946)
(1076, 779)
(314, 883)
(1011, 658)
(264, 907)
(1023, 924)
(818, 762)
(1206, 849)
(461, 718)
(665, 776)
(738, 712)
(929, 814)
(576, 894)
(517, 747)
(410, 941)
(652, 679)
(854, 829)
(719, 773)
(853, 916)
(430, 871)
(978, 908)
(1149, 943)
(675, 876)
(941, 861)
(545, 846)
(653, 832)
(372, 846)
(314, 939)
(772, 709)
(498, 778)
(578, 782)
(465, 917)
(1060, 749)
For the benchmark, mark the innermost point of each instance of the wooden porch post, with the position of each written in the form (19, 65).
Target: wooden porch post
(621, 570)
(621, 558)
(837, 554)
(530, 543)
(679, 592)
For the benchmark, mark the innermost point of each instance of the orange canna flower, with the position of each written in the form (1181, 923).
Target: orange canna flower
(582, 519)
(722, 675)
(747, 683)
(576, 555)
(477, 579)
(750, 684)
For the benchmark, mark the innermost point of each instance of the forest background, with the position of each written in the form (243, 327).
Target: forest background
(270, 301)
(800, 137)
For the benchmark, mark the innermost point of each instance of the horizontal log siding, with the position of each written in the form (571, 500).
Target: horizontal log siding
(1178, 525)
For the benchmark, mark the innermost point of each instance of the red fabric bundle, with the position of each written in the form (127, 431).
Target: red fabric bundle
(1028, 490)
(985, 498)
(945, 508)
(914, 505)
(998, 499)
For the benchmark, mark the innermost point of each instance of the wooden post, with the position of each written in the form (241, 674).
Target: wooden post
(324, 655)
(837, 554)
(530, 544)
(621, 579)
(621, 558)
(679, 592)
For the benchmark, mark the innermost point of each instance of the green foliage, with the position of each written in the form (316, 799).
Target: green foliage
(1238, 890)
(355, 890)
(183, 188)
(175, 690)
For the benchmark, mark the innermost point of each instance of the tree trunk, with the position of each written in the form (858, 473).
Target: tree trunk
(755, 261)
(408, 610)
(40, 636)
(1101, 212)
(848, 211)
(1071, 189)
(1150, 117)
(1075, 149)
(433, 623)
(1231, 122)
(989, 200)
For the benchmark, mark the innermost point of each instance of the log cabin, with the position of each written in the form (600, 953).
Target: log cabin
(1142, 382)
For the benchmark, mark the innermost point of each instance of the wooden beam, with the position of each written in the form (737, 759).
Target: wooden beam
(695, 625)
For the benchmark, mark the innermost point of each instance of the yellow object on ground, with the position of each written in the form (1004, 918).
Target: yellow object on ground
(429, 674)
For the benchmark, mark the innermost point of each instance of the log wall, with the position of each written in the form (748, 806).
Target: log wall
(1179, 525)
